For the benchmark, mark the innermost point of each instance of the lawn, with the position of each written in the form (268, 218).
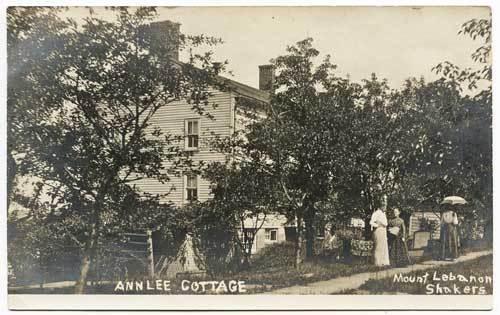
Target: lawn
(469, 277)
(271, 269)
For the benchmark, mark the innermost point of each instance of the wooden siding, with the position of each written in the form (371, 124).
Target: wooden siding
(171, 119)
(260, 240)
(272, 221)
(245, 112)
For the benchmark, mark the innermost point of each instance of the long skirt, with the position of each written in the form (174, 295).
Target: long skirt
(380, 248)
(449, 241)
(398, 252)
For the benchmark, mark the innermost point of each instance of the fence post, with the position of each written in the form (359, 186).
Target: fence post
(151, 265)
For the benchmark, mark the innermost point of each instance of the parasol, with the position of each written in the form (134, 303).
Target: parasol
(453, 200)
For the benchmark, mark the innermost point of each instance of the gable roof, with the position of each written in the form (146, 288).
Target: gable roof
(240, 88)
(245, 90)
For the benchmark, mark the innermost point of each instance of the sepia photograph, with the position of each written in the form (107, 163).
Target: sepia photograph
(340, 153)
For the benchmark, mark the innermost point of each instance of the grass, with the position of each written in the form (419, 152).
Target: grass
(271, 269)
(309, 272)
(479, 267)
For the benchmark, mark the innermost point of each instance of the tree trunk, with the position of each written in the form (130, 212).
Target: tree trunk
(247, 253)
(151, 264)
(368, 229)
(309, 220)
(245, 242)
(84, 270)
(97, 266)
(42, 275)
(86, 261)
(298, 243)
(246, 261)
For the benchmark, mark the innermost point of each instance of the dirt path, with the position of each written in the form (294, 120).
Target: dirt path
(338, 285)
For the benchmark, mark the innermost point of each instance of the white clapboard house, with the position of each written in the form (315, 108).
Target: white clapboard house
(198, 131)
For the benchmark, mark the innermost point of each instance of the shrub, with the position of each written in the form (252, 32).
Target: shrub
(274, 256)
(213, 235)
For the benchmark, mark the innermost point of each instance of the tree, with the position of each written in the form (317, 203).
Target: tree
(461, 136)
(94, 95)
(32, 35)
(243, 195)
(299, 143)
(33, 243)
(385, 127)
(427, 140)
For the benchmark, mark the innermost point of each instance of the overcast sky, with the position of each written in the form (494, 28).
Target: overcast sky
(393, 42)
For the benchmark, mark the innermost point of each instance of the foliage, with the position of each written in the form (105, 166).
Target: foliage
(213, 236)
(334, 149)
(34, 248)
(382, 145)
(243, 195)
(90, 136)
(33, 34)
(279, 255)
(300, 142)
(425, 141)
(453, 155)
(80, 104)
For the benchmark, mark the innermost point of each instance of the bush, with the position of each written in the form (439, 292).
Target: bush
(213, 235)
(38, 253)
(274, 256)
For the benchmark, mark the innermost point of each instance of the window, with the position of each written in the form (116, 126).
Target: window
(191, 187)
(271, 235)
(192, 130)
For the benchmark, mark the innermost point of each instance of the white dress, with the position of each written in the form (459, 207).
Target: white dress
(378, 223)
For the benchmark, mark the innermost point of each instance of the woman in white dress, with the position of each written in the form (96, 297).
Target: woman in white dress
(378, 224)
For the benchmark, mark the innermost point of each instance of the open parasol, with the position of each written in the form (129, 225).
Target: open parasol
(453, 200)
(454, 203)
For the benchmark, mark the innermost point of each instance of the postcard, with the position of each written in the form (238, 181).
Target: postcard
(260, 158)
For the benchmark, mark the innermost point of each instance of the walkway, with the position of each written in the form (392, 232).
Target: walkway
(339, 285)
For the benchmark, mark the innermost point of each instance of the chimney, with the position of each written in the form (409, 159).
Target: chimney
(266, 77)
(217, 66)
(164, 39)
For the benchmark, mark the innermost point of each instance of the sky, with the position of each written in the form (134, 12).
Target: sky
(393, 42)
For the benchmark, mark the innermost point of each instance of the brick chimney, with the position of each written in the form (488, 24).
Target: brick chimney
(217, 67)
(165, 39)
(266, 77)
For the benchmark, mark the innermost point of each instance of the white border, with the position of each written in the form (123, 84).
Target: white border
(73, 302)
(249, 302)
